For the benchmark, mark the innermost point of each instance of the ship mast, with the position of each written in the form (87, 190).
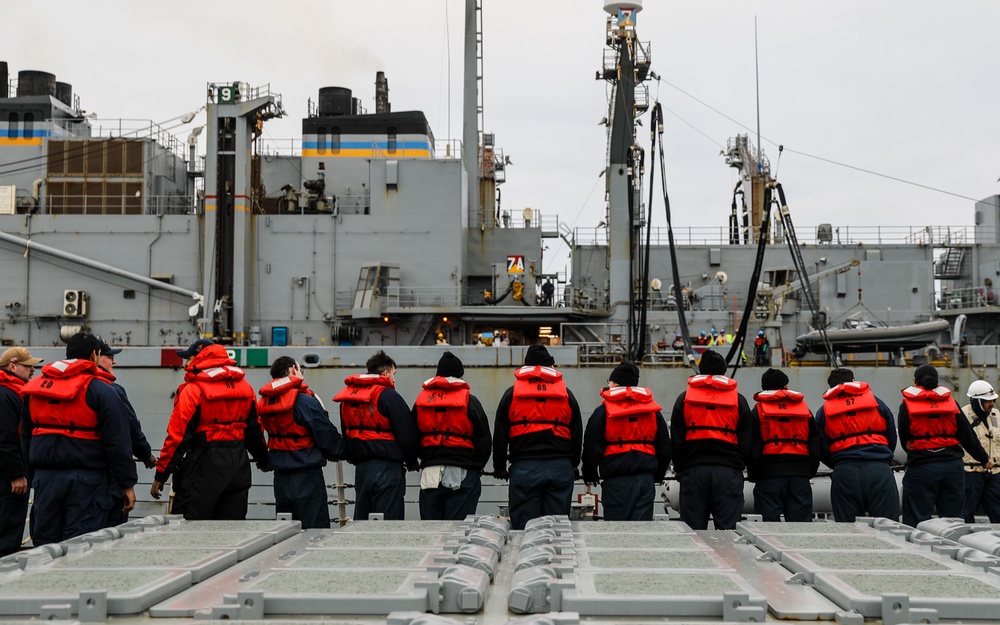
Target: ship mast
(625, 70)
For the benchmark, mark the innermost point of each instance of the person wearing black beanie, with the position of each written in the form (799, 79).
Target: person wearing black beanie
(455, 443)
(933, 432)
(626, 447)
(538, 428)
(710, 436)
(982, 485)
(784, 451)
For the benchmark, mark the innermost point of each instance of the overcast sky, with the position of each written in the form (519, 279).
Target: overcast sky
(907, 89)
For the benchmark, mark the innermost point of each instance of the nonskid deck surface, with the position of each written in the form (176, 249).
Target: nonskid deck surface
(162, 568)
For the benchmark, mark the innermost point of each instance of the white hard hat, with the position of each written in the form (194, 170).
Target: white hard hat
(981, 389)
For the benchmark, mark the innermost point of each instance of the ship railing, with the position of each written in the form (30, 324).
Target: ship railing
(126, 129)
(118, 204)
(422, 297)
(966, 298)
(822, 234)
(270, 146)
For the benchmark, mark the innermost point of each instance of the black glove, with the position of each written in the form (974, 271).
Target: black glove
(264, 466)
(502, 474)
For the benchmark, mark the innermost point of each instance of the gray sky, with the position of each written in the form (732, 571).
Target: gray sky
(907, 89)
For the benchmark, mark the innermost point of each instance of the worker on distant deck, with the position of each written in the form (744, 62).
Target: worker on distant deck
(784, 453)
(713, 338)
(212, 428)
(548, 292)
(710, 434)
(857, 439)
(455, 443)
(982, 485)
(762, 357)
(17, 366)
(75, 433)
(300, 439)
(678, 342)
(702, 338)
(933, 432)
(626, 447)
(140, 446)
(539, 428)
(382, 439)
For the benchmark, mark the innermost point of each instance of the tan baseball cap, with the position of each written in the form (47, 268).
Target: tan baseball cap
(19, 355)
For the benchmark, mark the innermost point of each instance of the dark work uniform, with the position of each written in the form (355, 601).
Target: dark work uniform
(13, 508)
(629, 452)
(857, 438)
(538, 427)
(300, 439)
(140, 450)
(784, 456)
(382, 442)
(933, 431)
(710, 434)
(212, 427)
(455, 433)
(74, 431)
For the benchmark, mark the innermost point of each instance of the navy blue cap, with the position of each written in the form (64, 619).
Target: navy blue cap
(195, 347)
(107, 350)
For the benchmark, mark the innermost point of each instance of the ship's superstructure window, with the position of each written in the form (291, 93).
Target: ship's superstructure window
(391, 142)
(12, 125)
(335, 140)
(322, 139)
(29, 124)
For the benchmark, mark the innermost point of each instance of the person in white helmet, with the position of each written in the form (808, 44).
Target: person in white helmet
(982, 485)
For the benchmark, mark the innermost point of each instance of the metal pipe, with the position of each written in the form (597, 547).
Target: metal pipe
(29, 246)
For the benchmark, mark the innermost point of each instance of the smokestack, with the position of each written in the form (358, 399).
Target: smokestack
(4, 80)
(382, 104)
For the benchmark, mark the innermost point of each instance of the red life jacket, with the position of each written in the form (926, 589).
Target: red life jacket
(711, 408)
(784, 422)
(227, 398)
(933, 418)
(631, 421)
(276, 408)
(443, 413)
(852, 417)
(59, 400)
(12, 382)
(540, 403)
(359, 413)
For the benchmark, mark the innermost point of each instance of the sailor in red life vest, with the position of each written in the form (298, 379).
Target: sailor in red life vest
(75, 432)
(857, 439)
(17, 366)
(933, 431)
(455, 443)
(140, 446)
(784, 451)
(710, 434)
(300, 439)
(539, 420)
(211, 429)
(627, 447)
(382, 438)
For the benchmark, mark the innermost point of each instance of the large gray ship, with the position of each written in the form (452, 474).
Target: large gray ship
(373, 234)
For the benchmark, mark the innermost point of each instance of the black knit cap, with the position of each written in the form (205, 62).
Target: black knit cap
(538, 355)
(625, 374)
(926, 376)
(450, 366)
(773, 379)
(712, 363)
